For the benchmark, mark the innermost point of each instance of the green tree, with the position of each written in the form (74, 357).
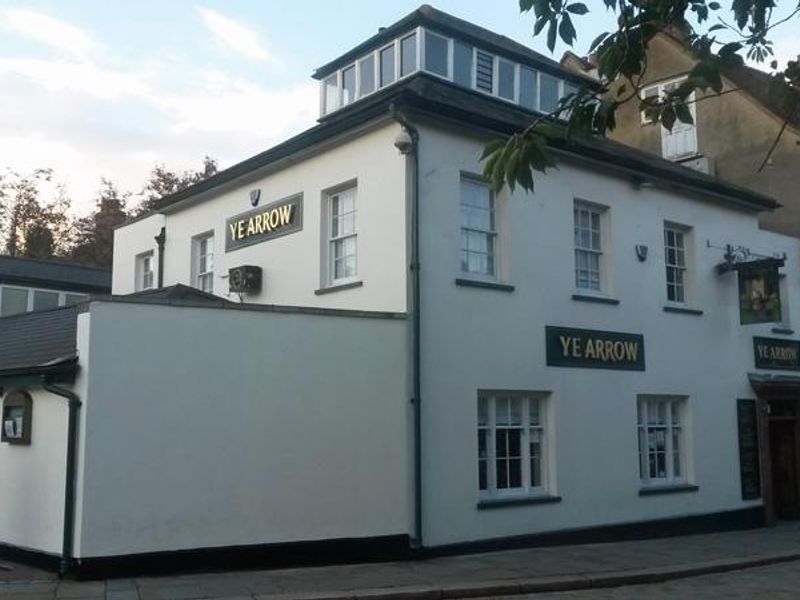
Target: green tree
(29, 225)
(162, 182)
(94, 242)
(621, 56)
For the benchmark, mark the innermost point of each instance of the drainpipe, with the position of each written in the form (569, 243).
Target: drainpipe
(408, 144)
(71, 469)
(161, 240)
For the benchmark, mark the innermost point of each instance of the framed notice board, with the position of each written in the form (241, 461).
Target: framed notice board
(747, 417)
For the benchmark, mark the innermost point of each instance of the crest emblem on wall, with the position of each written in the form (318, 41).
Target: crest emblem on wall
(255, 196)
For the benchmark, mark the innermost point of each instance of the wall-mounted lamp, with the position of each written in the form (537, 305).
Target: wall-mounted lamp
(641, 252)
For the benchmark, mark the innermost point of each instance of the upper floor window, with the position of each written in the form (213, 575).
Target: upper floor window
(330, 91)
(348, 85)
(478, 231)
(513, 442)
(506, 79)
(366, 74)
(680, 141)
(437, 54)
(675, 260)
(203, 250)
(588, 246)
(16, 300)
(342, 236)
(462, 64)
(387, 65)
(549, 93)
(484, 71)
(144, 271)
(408, 55)
(662, 445)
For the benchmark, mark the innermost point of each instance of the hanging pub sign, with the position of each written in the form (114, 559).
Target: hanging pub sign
(588, 348)
(773, 353)
(759, 292)
(264, 223)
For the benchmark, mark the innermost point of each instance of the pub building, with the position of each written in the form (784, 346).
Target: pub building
(348, 346)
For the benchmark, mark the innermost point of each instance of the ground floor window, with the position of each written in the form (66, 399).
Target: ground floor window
(662, 442)
(512, 443)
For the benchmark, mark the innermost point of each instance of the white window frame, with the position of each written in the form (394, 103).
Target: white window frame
(198, 276)
(691, 102)
(491, 234)
(600, 251)
(489, 428)
(62, 296)
(145, 280)
(681, 267)
(331, 240)
(675, 425)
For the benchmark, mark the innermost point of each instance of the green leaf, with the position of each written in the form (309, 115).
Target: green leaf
(539, 25)
(567, 30)
(714, 5)
(578, 8)
(683, 113)
(551, 35)
(598, 40)
(525, 5)
(668, 117)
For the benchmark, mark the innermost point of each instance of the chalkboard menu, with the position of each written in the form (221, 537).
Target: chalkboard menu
(748, 449)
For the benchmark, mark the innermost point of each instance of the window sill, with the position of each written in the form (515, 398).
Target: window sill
(595, 299)
(488, 285)
(783, 330)
(338, 287)
(681, 310)
(491, 503)
(657, 490)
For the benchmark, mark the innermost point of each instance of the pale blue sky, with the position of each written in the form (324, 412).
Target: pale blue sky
(99, 88)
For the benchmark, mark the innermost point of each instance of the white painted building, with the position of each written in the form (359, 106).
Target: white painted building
(426, 364)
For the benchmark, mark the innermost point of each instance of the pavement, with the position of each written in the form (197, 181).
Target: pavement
(516, 573)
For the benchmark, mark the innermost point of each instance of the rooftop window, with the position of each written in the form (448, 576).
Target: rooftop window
(454, 60)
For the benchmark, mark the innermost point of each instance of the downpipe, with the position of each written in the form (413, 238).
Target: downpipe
(74, 404)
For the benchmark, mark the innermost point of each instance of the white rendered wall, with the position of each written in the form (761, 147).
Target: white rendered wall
(32, 479)
(479, 338)
(209, 428)
(292, 264)
(130, 241)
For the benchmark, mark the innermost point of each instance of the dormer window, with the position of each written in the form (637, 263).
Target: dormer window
(437, 54)
(408, 55)
(348, 85)
(461, 62)
(387, 66)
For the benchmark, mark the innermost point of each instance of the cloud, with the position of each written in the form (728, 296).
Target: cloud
(234, 35)
(42, 28)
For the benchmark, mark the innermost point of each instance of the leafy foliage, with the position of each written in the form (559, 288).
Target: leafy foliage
(621, 61)
(163, 182)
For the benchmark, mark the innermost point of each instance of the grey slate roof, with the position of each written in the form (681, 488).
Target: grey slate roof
(37, 341)
(428, 16)
(54, 274)
(453, 104)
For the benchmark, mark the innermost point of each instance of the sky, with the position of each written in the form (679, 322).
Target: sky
(99, 88)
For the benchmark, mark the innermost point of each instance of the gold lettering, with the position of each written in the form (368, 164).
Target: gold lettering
(239, 230)
(257, 224)
(609, 350)
(619, 351)
(233, 230)
(631, 350)
(589, 351)
(286, 213)
(265, 216)
(576, 348)
(250, 227)
(564, 345)
(274, 218)
(600, 350)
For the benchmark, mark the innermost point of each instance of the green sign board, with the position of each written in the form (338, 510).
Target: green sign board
(773, 353)
(264, 223)
(749, 466)
(588, 348)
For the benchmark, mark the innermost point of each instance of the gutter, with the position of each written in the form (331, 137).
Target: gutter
(414, 268)
(74, 403)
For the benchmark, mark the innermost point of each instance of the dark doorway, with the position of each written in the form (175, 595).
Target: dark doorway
(783, 438)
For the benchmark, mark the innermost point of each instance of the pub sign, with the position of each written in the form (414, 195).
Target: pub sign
(264, 223)
(759, 292)
(588, 348)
